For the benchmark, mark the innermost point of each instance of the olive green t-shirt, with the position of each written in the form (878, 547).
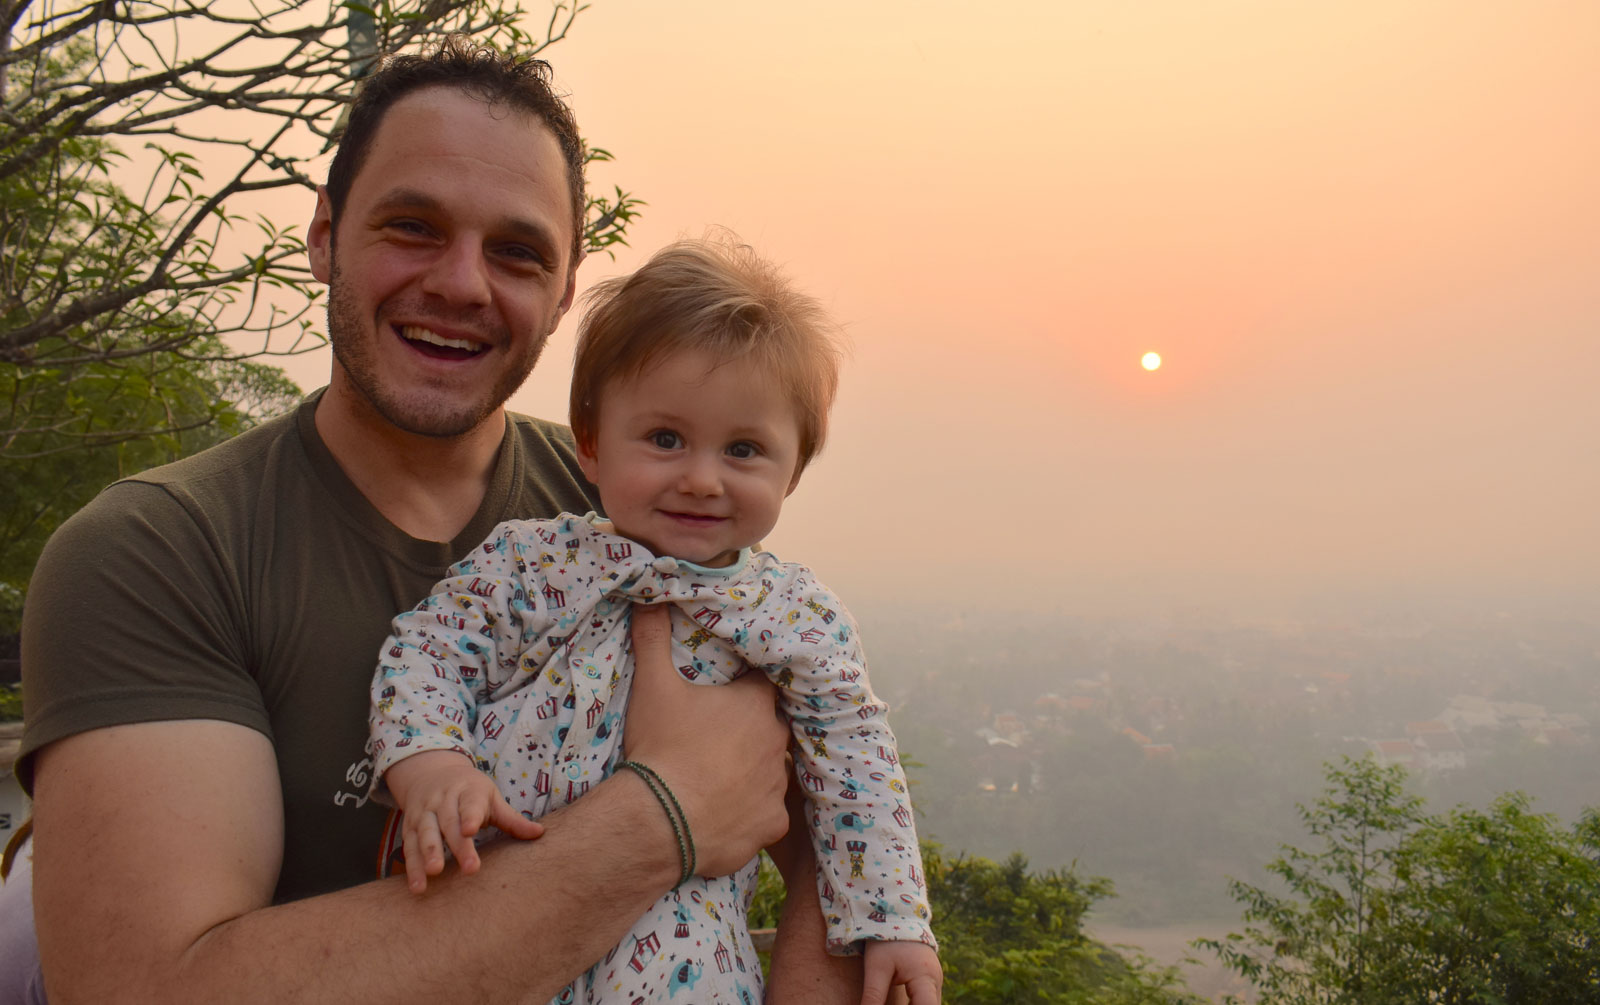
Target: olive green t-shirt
(253, 583)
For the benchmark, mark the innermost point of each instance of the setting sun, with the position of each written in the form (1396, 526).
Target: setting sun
(1151, 360)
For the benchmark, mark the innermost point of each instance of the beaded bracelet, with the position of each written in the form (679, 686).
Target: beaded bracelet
(675, 815)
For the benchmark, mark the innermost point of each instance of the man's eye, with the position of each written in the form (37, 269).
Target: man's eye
(522, 253)
(666, 439)
(743, 450)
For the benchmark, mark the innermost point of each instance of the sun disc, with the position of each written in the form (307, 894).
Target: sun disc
(1151, 360)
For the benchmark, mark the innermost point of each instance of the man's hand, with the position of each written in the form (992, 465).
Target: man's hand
(792, 853)
(447, 801)
(910, 965)
(720, 749)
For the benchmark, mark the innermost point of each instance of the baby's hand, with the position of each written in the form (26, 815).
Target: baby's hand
(446, 800)
(893, 964)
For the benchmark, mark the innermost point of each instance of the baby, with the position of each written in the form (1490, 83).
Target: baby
(700, 391)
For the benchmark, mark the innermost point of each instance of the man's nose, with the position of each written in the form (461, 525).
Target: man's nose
(459, 275)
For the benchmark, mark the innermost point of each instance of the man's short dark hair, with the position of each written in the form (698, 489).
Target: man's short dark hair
(494, 77)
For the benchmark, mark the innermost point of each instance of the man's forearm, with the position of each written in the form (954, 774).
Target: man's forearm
(802, 971)
(535, 917)
(146, 913)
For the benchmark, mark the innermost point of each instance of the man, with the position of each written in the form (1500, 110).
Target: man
(198, 642)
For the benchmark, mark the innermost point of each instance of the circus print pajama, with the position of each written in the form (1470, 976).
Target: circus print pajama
(520, 659)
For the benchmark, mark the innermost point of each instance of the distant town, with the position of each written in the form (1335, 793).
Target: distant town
(1170, 754)
(1463, 731)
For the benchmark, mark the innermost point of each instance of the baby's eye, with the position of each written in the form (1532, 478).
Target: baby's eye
(666, 439)
(743, 450)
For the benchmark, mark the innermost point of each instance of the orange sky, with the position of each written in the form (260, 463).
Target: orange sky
(1364, 236)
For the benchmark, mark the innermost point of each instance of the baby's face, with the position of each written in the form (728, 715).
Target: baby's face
(694, 460)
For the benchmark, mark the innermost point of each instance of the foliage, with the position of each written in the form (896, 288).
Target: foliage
(768, 901)
(1011, 936)
(1498, 906)
(182, 404)
(1324, 938)
(1395, 906)
(166, 260)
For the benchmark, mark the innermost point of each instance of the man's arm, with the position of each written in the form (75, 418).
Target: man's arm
(802, 969)
(157, 849)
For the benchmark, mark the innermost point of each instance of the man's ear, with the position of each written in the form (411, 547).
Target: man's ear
(319, 237)
(572, 283)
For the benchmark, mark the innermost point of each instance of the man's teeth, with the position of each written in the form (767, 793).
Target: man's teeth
(418, 334)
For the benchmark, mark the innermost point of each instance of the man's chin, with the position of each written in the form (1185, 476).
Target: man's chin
(444, 427)
(435, 420)
(437, 410)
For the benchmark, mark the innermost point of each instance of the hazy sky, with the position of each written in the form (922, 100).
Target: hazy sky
(1365, 237)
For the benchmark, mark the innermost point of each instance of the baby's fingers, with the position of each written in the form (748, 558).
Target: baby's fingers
(424, 851)
(513, 823)
(876, 975)
(457, 835)
(924, 990)
(489, 808)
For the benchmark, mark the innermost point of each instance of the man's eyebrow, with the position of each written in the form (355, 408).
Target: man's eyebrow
(522, 228)
(406, 198)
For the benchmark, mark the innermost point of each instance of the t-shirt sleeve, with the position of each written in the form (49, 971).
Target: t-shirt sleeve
(133, 614)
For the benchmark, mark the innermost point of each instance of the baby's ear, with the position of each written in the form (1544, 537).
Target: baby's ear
(587, 462)
(794, 482)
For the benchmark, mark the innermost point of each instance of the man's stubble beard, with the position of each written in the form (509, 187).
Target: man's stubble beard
(432, 415)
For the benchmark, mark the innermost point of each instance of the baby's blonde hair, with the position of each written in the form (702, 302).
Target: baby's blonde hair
(718, 296)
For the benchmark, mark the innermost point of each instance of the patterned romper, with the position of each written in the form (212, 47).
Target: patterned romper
(520, 659)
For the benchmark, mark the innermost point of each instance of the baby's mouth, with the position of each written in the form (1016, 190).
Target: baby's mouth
(696, 518)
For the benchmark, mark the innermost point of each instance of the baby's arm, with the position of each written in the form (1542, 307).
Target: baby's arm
(847, 762)
(443, 661)
(446, 800)
(911, 965)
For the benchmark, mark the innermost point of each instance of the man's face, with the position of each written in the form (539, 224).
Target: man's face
(452, 263)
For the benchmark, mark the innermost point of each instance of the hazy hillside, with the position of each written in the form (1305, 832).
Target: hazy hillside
(1169, 755)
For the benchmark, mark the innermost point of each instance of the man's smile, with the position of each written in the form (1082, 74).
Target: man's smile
(433, 344)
